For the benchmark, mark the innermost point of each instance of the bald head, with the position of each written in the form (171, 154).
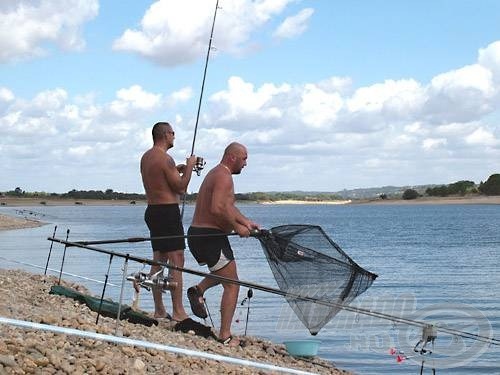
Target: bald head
(235, 157)
(234, 148)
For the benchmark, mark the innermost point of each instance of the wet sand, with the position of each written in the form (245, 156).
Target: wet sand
(11, 222)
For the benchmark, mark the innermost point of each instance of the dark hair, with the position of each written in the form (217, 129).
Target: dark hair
(160, 129)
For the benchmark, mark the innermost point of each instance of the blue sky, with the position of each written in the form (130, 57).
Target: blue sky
(327, 95)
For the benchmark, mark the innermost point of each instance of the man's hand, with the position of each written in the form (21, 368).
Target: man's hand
(181, 168)
(252, 225)
(190, 162)
(242, 230)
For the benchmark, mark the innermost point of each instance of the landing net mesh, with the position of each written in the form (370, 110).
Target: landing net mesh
(306, 262)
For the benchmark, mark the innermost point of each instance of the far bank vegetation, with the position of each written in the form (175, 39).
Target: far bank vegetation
(460, 188)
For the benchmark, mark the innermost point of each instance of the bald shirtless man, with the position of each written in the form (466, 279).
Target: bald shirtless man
(215, 215)
(164, 182)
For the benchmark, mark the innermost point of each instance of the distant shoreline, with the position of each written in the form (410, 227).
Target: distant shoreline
(476, 199)
(295, 201)
(30, 202)
(11, 222)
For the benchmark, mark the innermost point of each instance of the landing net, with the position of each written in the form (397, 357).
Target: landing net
(306, 262)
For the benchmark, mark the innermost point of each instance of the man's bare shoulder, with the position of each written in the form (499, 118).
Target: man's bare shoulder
(221, 178)
(154, 155)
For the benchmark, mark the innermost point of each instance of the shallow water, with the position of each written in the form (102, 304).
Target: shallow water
(435, 263)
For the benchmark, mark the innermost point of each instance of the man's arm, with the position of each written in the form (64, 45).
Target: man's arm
(177, 182)
(223, 208)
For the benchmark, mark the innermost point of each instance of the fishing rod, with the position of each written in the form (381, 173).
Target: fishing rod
(144, 239)
(204, 76)
(199, 160)
(287, 295)
(53, 270)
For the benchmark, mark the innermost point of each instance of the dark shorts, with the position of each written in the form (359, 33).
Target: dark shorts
(214, 249)
(164, 220)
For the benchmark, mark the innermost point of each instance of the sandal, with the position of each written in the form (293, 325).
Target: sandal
(166, 318)
(230, 341)
(197, 307)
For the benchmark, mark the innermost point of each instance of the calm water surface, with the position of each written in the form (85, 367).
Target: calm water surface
(435, 263)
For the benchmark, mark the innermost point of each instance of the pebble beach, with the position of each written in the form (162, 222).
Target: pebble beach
(25, 296)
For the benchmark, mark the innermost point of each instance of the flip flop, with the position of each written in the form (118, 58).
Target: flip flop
(229, 340)
(199, 329)
(166, 317)
(197, 307)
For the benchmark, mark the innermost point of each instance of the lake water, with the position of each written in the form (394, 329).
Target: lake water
(438, 263)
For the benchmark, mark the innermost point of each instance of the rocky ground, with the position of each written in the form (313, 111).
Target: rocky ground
(26, 296)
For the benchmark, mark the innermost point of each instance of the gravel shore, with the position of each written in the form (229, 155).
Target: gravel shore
(25, 296)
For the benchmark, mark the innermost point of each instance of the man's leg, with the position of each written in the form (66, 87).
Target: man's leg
(206, 284)
(160, 312)
(176, 258)
(229, 300)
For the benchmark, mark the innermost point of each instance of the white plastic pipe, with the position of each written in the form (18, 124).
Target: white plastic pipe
(147, 344)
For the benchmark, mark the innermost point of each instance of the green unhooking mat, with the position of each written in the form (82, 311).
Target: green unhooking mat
(108, 308)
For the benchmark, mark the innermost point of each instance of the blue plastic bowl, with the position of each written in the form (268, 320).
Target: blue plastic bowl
(302, 348)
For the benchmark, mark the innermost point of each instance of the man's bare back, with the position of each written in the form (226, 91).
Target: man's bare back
(156, 165)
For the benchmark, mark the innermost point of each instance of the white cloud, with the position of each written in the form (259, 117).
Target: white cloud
(295, 25)
(319, 108)
(481, 137)
(181, 95)
(415, 127)
(242, 99)
(472, 77)
(50, 100)
(470, 91)
(432, 143)
(6, 95)
(80, 151)
(132, 99)
(27, 25)
(489, 58)
(177, 32)
(397, 97)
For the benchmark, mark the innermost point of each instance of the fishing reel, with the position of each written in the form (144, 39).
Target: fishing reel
(146, 281)
(199, 165)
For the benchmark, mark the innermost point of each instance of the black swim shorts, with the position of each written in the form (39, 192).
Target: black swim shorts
(210, 246)
(164, 220)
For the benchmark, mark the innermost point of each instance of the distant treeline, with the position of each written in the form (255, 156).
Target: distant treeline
(462, 188)
(109, 194)
(490, 187)
(457, 188)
